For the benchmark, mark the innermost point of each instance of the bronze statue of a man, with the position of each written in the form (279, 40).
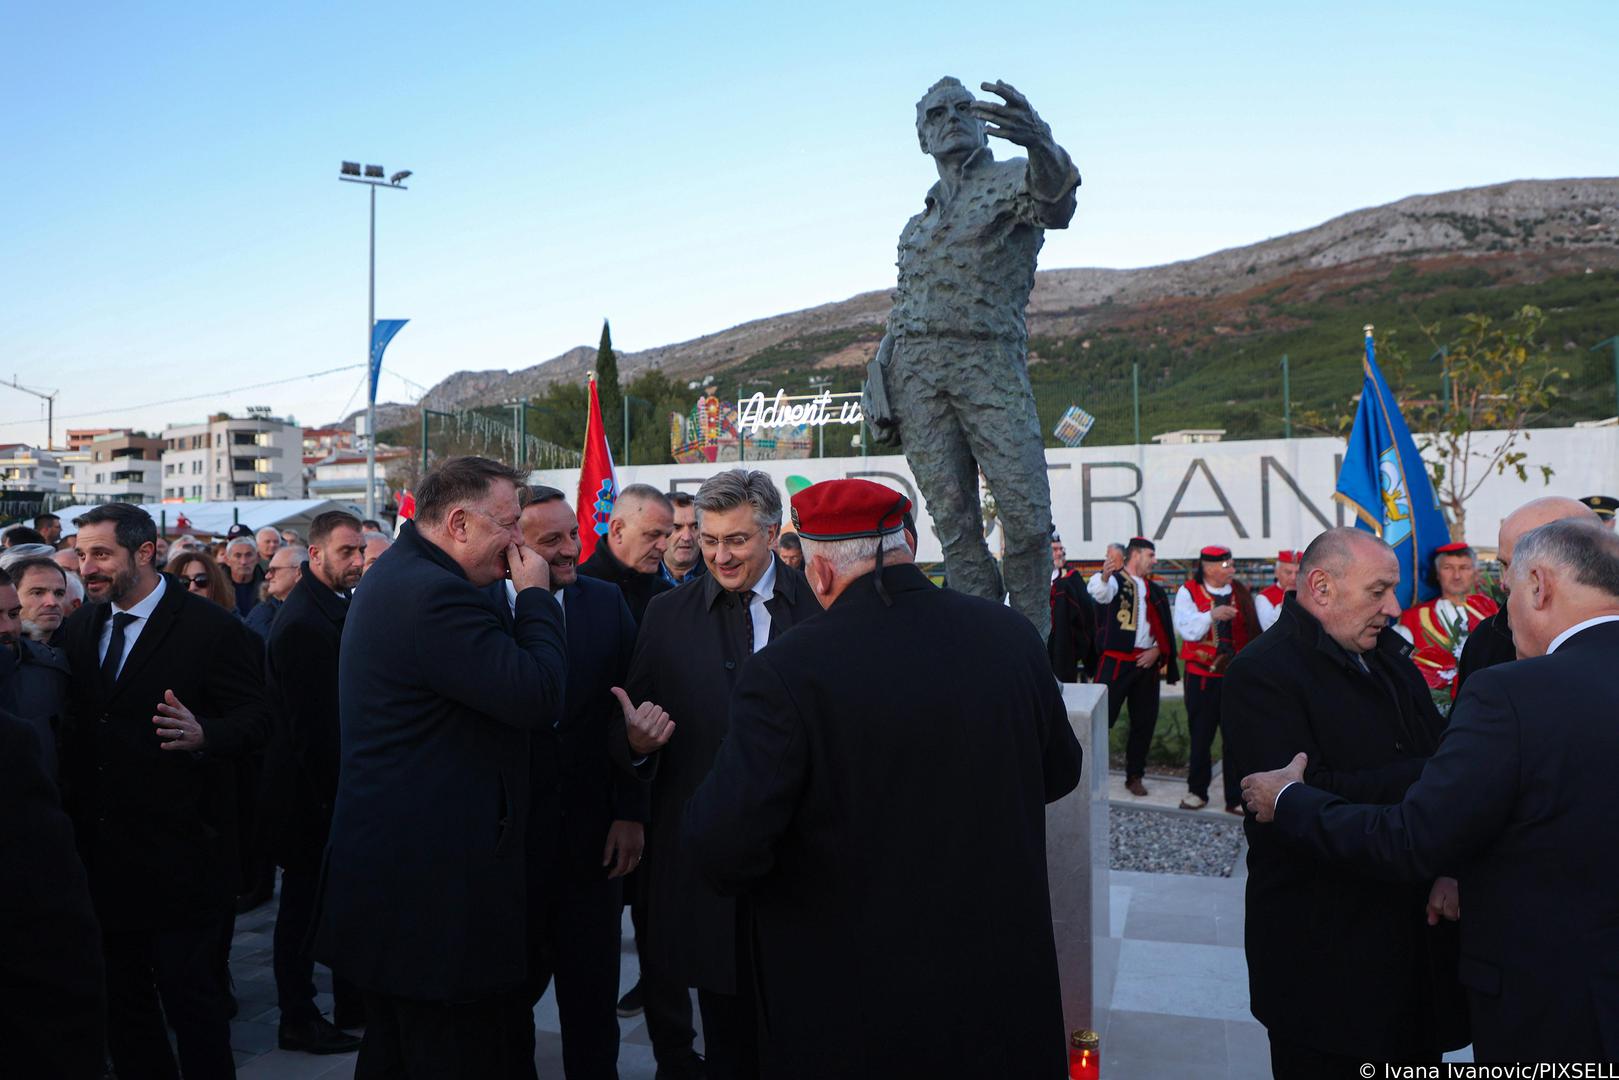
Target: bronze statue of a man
(951, 373)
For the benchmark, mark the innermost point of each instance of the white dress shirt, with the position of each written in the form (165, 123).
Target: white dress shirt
(1190, 623)
(763, 590)
(142, 612)
(562, 602)
(1103, 590)
(1576, 628)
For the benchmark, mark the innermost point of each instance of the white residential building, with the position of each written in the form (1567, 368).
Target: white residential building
(28, 468)
(123, 467)
(229, 458)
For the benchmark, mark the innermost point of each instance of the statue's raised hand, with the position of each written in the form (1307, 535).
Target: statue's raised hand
(1016, 121)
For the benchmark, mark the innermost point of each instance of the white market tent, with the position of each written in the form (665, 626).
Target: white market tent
(216, 518)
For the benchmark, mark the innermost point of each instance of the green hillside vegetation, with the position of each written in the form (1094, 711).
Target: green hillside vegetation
(1203, 362)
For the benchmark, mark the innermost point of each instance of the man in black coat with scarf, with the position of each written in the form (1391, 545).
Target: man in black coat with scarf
(859, 775)
(1343, 968)
(693, 646)
(167, 698)
(301, 773)
(425, 899)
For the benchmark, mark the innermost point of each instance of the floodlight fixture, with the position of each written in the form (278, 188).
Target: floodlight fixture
(350, 168)
(374, 171)
(400, 176)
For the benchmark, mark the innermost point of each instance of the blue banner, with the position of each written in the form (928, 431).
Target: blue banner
(1385, 482)
(382, 332)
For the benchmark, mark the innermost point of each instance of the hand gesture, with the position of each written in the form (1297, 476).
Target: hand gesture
(1260, 790)
(528, 567)
(1148, 659)
(625, 842)
(1017, 121)
(1223, 613)
(648, 726)
(176, 725)
(1444, 901)
(1112, 563)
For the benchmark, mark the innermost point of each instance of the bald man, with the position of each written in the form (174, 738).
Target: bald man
(1491, 641)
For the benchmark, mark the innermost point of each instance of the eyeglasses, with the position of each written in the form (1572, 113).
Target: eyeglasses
(734, 541)
(198, 581)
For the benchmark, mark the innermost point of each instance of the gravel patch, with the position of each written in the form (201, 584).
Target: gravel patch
(1168, 843)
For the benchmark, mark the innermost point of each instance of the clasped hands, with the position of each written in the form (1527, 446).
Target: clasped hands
(1260, 792)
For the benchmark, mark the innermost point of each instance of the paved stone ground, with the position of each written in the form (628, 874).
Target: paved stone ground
(1179, 1006)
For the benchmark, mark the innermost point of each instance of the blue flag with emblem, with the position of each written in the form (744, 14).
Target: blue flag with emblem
(382, 332)
(1385, 482)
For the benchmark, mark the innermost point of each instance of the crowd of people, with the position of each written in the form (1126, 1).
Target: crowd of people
(468, 749)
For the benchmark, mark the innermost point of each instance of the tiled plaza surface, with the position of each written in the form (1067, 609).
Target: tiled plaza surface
(1180, 999)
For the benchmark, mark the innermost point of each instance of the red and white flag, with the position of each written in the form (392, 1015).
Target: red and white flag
(598, 487)
(407, 504)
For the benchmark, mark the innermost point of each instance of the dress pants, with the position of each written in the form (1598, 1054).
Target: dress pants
(1202, 721)
(730, 1033)
(174, 975)
(294, 967)
(583, 959)
(434, 1040)
(1139, 687)
(667, 1003)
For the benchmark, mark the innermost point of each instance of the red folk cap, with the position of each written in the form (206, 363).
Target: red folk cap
(1293, 557)
(1214, 553)
(1456, 548)
(848, 509)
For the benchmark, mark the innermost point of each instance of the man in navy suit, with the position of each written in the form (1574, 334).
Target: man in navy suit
(603, 806)
(1516, 805)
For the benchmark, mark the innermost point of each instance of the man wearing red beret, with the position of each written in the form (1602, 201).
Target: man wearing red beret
(883, 814)
(1268, 601)
(1214, 615)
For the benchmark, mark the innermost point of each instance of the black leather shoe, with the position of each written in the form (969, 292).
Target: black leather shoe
(630, 1004)
(317, 1036)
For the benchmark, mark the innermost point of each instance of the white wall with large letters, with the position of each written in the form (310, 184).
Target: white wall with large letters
(1256, 497)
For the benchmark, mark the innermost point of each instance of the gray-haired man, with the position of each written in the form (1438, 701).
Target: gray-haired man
(693, 644)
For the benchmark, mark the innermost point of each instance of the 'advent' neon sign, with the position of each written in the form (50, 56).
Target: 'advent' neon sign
(815, 410)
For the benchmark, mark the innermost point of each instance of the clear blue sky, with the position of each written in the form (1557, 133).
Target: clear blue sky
(173, 223)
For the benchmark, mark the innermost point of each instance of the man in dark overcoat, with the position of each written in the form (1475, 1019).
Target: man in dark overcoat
(1343, 967)
(693, 645)
(301, 773)
(860, 775)
(425, 898)
(53, 987)
(167, 699)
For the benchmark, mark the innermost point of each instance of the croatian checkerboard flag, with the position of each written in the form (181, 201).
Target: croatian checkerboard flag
(597, 485)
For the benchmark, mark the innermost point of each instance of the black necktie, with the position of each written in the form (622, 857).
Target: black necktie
(115, 647)
(745, 602)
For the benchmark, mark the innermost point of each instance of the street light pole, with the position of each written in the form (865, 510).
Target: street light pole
(1614, 342)
(372, 178)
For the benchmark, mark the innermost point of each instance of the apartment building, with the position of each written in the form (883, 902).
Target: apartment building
(123, 467)
(228, 458)
(28, 468)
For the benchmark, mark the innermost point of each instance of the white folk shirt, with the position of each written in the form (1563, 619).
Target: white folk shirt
(1266, 611)
(1448, 613)
(1190, 623)
(1104, 590)
(143, 614)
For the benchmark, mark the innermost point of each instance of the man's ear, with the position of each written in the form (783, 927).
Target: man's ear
(1541, 586)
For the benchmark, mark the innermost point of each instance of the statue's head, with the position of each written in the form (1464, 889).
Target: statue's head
(945, 123)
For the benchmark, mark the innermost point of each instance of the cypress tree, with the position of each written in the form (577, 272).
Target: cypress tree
(607, 388)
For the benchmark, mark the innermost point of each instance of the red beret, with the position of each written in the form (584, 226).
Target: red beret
(1294, 557)
(1215, 552)
(847, 510)
(1456, 548)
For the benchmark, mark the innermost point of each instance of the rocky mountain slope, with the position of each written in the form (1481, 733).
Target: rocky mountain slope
(1524, 231)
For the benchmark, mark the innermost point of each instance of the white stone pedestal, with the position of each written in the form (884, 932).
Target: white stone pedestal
(1077, 864)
